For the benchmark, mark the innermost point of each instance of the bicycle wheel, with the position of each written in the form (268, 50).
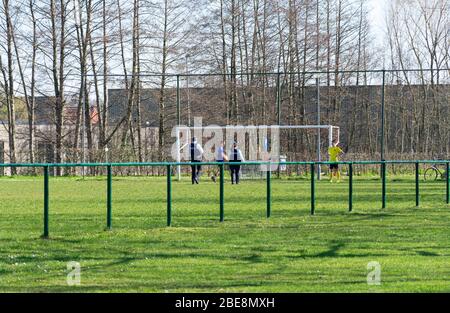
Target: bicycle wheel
(430, 174)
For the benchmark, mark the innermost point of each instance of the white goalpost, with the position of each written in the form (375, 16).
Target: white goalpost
(198, 131)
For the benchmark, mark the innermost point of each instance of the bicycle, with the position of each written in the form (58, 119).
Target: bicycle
(433, 172)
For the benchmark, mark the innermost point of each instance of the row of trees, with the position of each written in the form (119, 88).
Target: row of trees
(69, 49)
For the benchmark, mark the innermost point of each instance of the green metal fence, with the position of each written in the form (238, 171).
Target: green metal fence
(169, 166)
(382, 77)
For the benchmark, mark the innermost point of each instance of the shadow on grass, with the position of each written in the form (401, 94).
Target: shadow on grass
(332, 251)
(254, 258)
(427, 253)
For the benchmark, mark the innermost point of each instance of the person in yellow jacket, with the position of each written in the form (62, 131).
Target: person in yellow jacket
(334, 152)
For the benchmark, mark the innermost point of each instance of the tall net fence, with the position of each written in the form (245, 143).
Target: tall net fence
(131, 118)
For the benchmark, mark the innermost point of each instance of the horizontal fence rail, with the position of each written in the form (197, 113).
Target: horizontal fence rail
(170, 166)
(143, 164)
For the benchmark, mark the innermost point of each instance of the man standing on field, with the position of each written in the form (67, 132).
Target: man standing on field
(221, 157)
(235, 158)
(334, 151)
(196, 157)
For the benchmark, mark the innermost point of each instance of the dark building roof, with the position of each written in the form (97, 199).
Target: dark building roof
(118, 103)
(210, 103)
(45, 110)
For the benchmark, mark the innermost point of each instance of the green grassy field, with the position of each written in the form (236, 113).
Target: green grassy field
(290, 252)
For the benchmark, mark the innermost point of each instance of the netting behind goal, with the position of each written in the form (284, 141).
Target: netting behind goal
(293, 143)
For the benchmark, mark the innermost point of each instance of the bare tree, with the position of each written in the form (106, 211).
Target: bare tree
(8, 83)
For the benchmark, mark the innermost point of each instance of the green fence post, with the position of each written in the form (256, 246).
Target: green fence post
(109, 199)
(383, 185)
(222, 174)
(269, 192)
(313, 191)
(350, 187)
(448, 182)
(169, 195)
(417, 184)
(46, 202)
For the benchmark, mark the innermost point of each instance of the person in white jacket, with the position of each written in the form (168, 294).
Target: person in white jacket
(235, 156)
(221, 157)
(196, 153)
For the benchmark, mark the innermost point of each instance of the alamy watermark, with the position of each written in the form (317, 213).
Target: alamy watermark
(74, 275)
(374, 275)
(258, 143)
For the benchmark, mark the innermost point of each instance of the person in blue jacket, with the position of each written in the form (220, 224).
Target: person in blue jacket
(235, 157)
(196, 153)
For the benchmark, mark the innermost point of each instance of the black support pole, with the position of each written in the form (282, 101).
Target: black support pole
(178, 102)
(279, 98)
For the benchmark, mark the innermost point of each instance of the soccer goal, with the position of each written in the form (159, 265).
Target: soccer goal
(254, 141)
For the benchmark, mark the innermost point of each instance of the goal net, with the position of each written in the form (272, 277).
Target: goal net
(275, 143)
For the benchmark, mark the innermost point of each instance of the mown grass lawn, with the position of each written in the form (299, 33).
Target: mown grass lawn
(290, 252)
